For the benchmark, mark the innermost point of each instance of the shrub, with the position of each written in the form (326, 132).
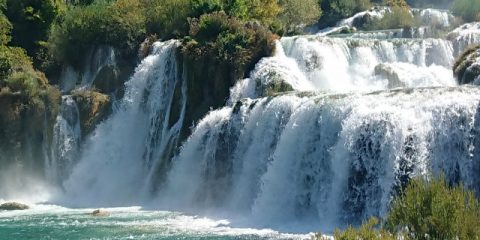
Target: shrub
(264, 11)
(298, 13)
(424, 210)
(5, 28)
(469, 10)
(169, 18)
(368, 231)
(399, 17)
(335, 10)
(432, 210)
(120, 24)
(228, 39)
(31, 20)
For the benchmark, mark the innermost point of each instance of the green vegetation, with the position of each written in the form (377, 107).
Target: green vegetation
(398, 17)
(297, 13)
(335, 10)
(31, 21)
(120, 24)
(425, 210)
(29, 103)
(469, 10)
(435, 210)
(464, 68)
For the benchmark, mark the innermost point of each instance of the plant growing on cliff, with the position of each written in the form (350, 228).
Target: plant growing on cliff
(228, 39)
(398, 17)
(31, 20)
(425, 210)
(298, 13)
(469, 10)
(432, 210)
(335, 10)
(120, 24)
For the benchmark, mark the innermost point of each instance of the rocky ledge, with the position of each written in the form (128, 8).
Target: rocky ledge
(13, 206)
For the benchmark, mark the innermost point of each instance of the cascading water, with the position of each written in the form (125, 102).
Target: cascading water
(362, 116)
(66, 141)
(378, 112)
(127, 151)
(346, 64)
(98, 59)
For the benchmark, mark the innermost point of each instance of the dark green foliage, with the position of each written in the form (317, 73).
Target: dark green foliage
(28, 103)
(5, 28)
(299, 13)
(168, 18)
(220, 50)
(469, 10)
(228, 39)
(31, 20)
(120, 24)
(335, 10)
(424, 210)
(432, 210)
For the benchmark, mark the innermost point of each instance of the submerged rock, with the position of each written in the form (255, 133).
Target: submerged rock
(9, 206)
(467, 66)
(100, 213)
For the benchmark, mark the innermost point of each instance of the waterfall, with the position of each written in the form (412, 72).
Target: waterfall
(128, 150)
(102, 58)
(326, 158)
(326, 131)
(348, 64)
(66, 141)
(366, 115)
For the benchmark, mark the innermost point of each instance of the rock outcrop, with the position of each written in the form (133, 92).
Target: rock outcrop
(467, 67)
(100, 213)
(10, 206)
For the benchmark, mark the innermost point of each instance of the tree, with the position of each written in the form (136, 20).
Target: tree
(31, 20)
(5, 28)
(469, 10)
(264, 11)
(298, 13)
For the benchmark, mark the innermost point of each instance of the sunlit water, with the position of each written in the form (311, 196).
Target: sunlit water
(53, 222)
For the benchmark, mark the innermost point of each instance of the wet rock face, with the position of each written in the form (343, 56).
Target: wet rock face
(467, 66)
(93, 108)
(10, 206)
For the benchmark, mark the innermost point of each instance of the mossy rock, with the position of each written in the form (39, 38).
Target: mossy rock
(467, 67)
(10, 206)
(93, 107)
(274, 87)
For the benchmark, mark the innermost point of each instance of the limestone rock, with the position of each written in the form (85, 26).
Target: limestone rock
(13, 206)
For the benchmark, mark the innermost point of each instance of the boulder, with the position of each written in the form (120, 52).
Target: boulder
(13, 206)
(387, 72)
(100, 213)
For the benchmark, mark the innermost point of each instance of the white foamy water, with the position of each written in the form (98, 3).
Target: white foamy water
(329, 159)
(120, 158)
